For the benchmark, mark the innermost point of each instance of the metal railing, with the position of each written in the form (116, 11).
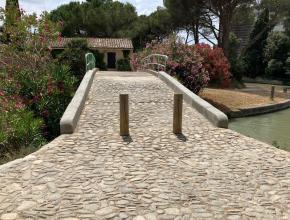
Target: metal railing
(90, 61)
(155, 62)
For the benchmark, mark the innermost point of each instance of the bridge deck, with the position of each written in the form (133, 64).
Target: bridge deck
(209, 173)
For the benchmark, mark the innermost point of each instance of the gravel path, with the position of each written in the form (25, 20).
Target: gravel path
(207, 173)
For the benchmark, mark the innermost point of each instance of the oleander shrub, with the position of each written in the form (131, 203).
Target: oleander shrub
(124, 65)
(20, 130)
(216, 64)
(194, 66)
(29, 72)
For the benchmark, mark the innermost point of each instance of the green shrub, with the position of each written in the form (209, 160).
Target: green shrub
(123, 65)
(277, 47)
(275, 68)
(74, 56)
(276, 54)
(99, 60)
(20, 134)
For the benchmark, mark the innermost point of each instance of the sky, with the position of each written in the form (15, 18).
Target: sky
(37, 6)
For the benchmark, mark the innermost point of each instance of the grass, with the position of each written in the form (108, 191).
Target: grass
(232, 100)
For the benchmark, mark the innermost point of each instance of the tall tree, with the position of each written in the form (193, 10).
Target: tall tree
(12, 12)
(253, 57)
(207, 18)
(186, 14)
(95, 18)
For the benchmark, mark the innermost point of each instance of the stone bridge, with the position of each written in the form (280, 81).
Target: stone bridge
(206, 173)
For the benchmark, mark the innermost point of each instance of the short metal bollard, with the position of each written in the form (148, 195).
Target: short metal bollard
(272, 92)
(124, 115)
(177, 114)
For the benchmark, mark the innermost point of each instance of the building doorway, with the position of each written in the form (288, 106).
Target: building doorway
(111, 60)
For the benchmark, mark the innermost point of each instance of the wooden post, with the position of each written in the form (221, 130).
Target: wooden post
(124, 115)
(272, 92)
(177, 114)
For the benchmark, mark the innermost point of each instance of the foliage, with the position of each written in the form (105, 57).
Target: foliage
(277, 47)
(124, 65)
(30, 73)
(20, 131)
(276, 53)
(275, 68)
(74, 56)
(95, 18)
(235, 62)
(156, 26)
(202, 16)
(186, 14)
(216, 64)
(254, 58)
(184, 62)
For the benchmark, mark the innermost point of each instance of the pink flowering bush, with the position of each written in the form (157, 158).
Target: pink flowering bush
(217, 65)
(184, 63)
(195, 66)
(30, 72)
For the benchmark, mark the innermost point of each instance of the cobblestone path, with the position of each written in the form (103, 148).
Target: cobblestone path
(209, 173)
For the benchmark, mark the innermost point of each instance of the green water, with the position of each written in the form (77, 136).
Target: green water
(271, 128)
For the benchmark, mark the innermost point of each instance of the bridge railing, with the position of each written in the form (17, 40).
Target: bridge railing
(155, 62)
(90, 61)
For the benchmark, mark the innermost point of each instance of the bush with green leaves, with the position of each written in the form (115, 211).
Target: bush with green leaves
(29, 72)
(20, 130)
(276, 53)
(124, 65)
(74, 56)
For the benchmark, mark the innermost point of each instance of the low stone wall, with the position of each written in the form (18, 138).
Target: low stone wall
(71, 116)
(264, 81)
(215, 116)
(245, 112)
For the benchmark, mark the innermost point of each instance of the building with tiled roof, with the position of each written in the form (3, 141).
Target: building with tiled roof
(113, 49)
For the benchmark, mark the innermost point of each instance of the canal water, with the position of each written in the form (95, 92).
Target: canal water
(271, 128)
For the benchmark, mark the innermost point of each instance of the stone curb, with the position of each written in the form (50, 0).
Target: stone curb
(215, 116)
(72, 114)
(246, 112)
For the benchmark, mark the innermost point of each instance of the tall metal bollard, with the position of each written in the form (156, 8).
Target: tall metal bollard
(272, 92)
(177, 114)
(124, 115)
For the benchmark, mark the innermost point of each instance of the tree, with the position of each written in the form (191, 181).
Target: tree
(186, 14)
(276, 53)
(12, 12)
(253, 57)
(70, 16)
(95, 18)
(207, 18)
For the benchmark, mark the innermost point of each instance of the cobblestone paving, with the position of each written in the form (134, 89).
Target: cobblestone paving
(208, 173)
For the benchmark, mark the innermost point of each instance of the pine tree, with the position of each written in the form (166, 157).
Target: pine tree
(254, 57)
(12, 12)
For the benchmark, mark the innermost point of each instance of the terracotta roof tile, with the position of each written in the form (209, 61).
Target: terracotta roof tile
(101, 43)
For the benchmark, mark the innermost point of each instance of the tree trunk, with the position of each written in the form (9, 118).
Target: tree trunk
(196, 33)
(225, 26)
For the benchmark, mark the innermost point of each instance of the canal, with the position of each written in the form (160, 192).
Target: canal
(271, 128)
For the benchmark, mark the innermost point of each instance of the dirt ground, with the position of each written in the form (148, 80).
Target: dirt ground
(252, 96)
